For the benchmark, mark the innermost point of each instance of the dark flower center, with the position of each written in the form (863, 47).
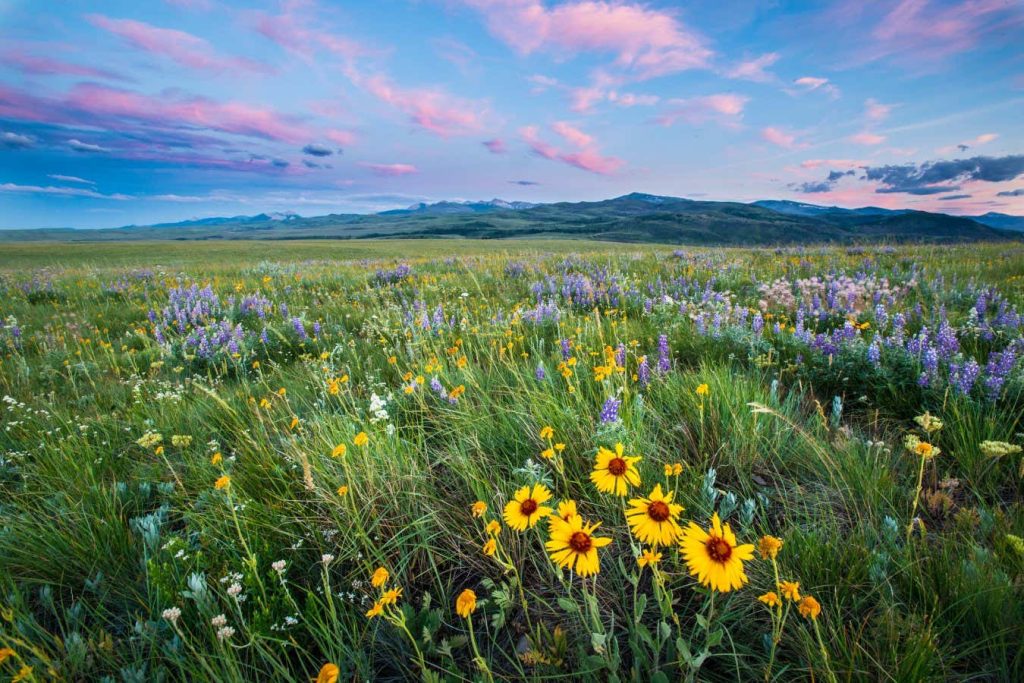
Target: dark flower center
(528, 507)
(580, 542)
(617, 466)
(718, 549)
(658, 511)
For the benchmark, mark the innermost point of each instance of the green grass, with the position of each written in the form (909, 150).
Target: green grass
(99, 535)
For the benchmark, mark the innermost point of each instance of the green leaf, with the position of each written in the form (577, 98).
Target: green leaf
(715, 638)
(568, 605)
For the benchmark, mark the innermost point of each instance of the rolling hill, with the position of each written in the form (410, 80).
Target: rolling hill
(634, 217)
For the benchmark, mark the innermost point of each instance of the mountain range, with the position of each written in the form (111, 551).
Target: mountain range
(634, 217)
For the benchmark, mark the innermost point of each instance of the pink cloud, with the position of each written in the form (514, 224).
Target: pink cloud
(779, 137)
(812, 83)
(431, 109)
(341, 137)
(632, 100)
(574, 136)
(111, 108)
(291, 31)
(723, 108)
(867, 138)
(831, 163)
(495, 146)
(180, 47)
(390, 170)
(646, 42)
(48, 66)
(586, 157)
(754, 69)
(875, 110)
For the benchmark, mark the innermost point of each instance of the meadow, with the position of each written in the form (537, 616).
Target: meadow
(521, 460)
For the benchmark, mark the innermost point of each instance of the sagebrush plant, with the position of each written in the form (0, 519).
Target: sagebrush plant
(532, 461)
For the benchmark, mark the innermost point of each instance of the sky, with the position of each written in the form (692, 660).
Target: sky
(116, 112)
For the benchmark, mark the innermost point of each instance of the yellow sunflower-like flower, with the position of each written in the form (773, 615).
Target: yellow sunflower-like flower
(613, 471)
(376, 610)
(790, 590)
(390, 596)
(490, 547)
(465, 604)
(574, 545)
(547, 433)
(479, 508)
(714, 557)
(653, 519)
(771, 598)
(222, 483)
(566, 510)
(361, 439)
(527, 507)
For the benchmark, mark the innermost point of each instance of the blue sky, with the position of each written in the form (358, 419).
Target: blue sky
(114, 113)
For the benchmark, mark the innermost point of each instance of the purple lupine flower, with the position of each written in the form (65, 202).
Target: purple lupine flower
(757, 324)
(566, 349)
(664, 355)
(875, 353)
(610, 410)
(643, 372)
(299, 328)
(963, 375)
(539, 373)
(620, 355)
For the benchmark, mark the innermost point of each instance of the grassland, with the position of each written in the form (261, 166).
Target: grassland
(208, 450)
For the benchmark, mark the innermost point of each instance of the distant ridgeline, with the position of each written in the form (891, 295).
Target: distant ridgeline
(631, 218)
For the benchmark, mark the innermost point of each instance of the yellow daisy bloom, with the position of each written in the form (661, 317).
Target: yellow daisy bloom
(380, 577)
(479, 508)
(527, 507)
(790, 590)
(328, 673)
(573, 545)
(361, 439)
(376, 610)
(465, 604)
(547, 433)
(713, 556)
(613, 471)
(390, 596)
(653, 519)
(771, 598)
(648, 558)
(490, 547)
(769, 547)
(566, 510)
(809, 608)
(222, 483)
(493, 527)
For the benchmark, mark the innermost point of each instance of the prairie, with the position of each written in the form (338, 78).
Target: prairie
(521, 460)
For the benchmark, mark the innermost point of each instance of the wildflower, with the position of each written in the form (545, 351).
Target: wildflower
(479, 508)
(327, 558)
(343, 490)
(648, 558)
(216, 458)
(547, 433)
(23, 674)
(380, 577)
(493, 527)
(714, 557)
(150, 439)
(361, 439)
(928, 422)
(279, 566)
(653, 519)
(219, 621)
(339, 450)
(573, 545)
(790, 590)
(997, 449)
(222, 483)
(328, 673)
(6, 653)
(610, 410)
(771, 598)
(490, 547)
(809, 608)
(547, 453)
(390, 596)
(566, 510)
(921, 448)
(376, 610)
(769, 547)
(702, 390)
(465, 604)
(613, 471)
(527, 507)
(171, 614)
(181, 441)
